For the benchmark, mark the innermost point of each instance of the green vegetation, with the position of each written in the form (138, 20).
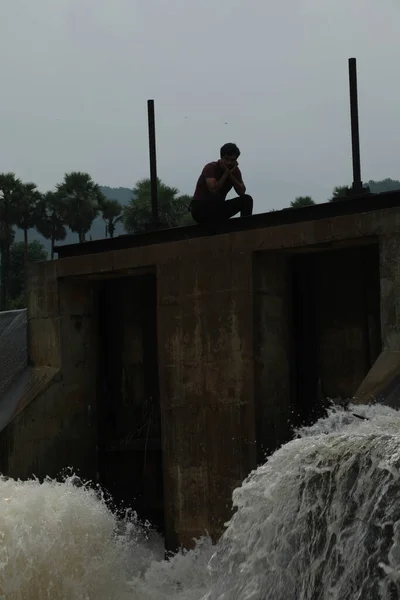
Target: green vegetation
(79, 209)
(172, 208)
(386, 185)
(10, 190)
(340, 191)
(73, 207)
(16, 288)
(111, 211)
(302, 201)
(80, 200)
(51, 223)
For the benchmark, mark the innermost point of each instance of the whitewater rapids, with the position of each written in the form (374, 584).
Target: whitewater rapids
(319, 521)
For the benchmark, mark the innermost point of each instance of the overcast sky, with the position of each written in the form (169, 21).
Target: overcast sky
(268, 75)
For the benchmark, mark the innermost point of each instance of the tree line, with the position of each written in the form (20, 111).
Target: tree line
(341, 191)
(74, 204)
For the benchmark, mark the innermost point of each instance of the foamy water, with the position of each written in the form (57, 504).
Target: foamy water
(319, 521)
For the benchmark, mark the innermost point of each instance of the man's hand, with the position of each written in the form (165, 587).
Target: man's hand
(228, 169)
(223, 166)
(239, 186)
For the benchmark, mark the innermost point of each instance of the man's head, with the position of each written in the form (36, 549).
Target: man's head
(229, 154)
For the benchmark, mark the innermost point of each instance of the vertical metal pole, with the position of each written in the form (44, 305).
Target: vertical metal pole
(355, 134)
(153, 161)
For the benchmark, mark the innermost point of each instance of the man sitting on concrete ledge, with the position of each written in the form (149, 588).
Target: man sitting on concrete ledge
(214, 184)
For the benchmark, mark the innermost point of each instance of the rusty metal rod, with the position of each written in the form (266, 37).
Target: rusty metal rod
(153, 161)
(355, 133)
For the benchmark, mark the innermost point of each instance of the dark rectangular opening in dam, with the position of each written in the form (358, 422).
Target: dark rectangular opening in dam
(130, 455)
(317, 333)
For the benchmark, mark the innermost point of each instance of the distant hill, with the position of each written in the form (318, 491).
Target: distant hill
(97, 231)
(121, 194)
(386, 185)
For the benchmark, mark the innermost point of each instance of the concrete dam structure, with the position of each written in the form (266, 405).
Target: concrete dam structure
(166, 366)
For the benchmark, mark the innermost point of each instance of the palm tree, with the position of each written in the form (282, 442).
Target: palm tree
(111, 211)
(172, 208)
(10, 188)
(28, 201)
(81, 198)
(49, 221)
(302, 201)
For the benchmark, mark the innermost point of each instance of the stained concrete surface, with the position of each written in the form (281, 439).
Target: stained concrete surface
(13, 360)
(19, 383)
(209, 344)
(382, 383)
(13, 346)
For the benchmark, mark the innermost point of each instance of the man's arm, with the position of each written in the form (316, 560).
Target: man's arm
(214, 184)
(237, 180)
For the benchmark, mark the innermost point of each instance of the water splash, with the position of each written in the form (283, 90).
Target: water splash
(319, 521)
(58, 541)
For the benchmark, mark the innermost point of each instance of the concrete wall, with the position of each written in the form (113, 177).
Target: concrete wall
(59, 428)
(273, 349)
(209, 370)
(346, 282)
(13, 348)
(130, 453)
(206, 378)
(390, 290)
(382, 383)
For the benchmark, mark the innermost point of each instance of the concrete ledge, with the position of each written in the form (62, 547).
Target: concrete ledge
(286, 216)
(13, 347)
(382, 384)
(31, 383)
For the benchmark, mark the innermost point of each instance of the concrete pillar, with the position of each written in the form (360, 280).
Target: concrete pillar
(43, 317)
(390, 291)
(205, 332)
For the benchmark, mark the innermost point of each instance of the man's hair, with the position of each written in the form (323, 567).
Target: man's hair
(230, 150)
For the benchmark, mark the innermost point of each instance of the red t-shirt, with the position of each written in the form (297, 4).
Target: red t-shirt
(213, 170)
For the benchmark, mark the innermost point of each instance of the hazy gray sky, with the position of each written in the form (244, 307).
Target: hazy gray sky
(270, 76)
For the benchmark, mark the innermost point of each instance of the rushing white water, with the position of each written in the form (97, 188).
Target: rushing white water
(319, 521)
